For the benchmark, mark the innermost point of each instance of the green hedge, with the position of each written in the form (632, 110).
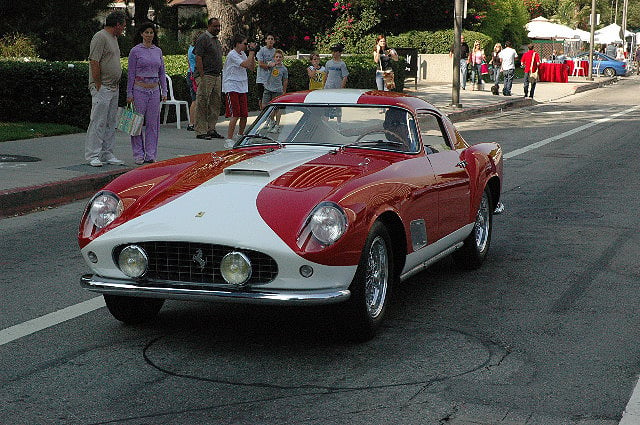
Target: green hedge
(437, 41)
(56, 92)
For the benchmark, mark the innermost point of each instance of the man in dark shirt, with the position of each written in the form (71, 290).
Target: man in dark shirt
(464, 57)
(208, 51)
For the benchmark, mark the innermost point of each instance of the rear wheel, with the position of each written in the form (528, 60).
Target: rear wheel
(476, 245)
(609, 72)
(133, 310)
(371, 286)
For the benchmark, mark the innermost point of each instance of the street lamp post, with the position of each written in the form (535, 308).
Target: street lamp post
(591, 39)
(457, 33)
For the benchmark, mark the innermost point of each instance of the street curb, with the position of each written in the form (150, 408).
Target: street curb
(596, 85)
(25, 199)
(465, 114)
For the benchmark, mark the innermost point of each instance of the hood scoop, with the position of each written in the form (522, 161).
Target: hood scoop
(272, 164)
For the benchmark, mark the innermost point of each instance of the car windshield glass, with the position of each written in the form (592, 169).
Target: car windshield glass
(370, 127)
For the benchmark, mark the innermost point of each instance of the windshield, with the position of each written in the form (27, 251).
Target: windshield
(371, 127)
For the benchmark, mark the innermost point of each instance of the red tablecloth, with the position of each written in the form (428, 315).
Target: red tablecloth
(582, 72)
(554, 72)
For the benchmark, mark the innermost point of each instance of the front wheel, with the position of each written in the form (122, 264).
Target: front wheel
(476, 245)
(371, 286)
(133, 310)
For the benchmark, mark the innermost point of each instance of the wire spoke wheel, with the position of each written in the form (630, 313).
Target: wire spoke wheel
(377, 278)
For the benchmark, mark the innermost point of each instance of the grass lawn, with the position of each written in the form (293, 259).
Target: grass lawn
(30, 130)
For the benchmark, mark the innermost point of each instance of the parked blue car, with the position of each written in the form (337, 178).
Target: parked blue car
(605, 65)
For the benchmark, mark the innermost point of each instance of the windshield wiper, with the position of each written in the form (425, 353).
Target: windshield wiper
(370, 142)
(259, 136)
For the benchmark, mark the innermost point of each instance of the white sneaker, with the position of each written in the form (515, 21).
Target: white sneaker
(115, 161)
(228, 143)
(95, 162)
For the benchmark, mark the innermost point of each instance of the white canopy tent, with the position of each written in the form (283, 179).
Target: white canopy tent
(610, 34)
(542, 28)
(582, 35)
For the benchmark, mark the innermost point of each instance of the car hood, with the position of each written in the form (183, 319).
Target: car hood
(233, 192)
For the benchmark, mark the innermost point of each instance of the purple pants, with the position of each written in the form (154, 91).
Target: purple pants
(147, 102)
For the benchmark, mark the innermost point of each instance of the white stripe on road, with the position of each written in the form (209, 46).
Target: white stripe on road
(631, 414)
(566, 133)
(43, 322)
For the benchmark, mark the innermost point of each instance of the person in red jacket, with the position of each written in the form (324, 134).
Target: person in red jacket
(530, 61)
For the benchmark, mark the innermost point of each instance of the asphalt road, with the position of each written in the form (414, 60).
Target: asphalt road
(544, 333)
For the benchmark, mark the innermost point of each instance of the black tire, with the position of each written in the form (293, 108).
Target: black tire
(609, 72)
(371, 287)
(133, 310)
(476, 245)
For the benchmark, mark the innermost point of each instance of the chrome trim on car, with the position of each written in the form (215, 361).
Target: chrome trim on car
(127, 288)
(430, 261)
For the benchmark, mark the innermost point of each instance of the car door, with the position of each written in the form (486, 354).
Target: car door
(452, 178)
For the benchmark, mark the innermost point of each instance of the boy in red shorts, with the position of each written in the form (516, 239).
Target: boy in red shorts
(235, 84)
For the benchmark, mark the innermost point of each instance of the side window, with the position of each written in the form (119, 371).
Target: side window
(433, 137)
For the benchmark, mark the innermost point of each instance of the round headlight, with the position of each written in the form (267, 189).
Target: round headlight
(133, 261)
(328, 223)
(235, 268)
(105, 207)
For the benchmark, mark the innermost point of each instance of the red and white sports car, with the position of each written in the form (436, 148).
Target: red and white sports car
(332, 196)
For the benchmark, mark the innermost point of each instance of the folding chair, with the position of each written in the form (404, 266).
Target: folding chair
(171, 100)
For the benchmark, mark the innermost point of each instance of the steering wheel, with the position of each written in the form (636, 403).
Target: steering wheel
(396, 136)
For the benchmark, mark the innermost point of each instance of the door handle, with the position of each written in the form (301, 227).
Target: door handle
(462, 164)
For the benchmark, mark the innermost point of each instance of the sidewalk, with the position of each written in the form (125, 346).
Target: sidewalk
(59, 174)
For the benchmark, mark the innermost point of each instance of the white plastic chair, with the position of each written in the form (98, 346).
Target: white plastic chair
(578, 69)
(596, 68)
(171, 100)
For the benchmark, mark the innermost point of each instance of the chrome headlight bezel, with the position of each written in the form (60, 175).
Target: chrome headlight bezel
(104, 208)
(327, 222)
(236, 268)
(133, 261)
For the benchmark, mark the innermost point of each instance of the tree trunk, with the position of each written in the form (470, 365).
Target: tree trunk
(231, 14)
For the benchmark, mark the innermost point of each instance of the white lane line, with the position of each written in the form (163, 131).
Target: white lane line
(39, 323)
(631, 414)
(566, 133)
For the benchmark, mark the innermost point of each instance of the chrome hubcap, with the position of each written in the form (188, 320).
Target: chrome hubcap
(377, 277)
(481, 228)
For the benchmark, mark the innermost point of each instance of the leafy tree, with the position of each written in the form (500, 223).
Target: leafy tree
(353, 28)
(293, 22)
(61, 29)
(234, 16)
(573, 13)
(505, 21)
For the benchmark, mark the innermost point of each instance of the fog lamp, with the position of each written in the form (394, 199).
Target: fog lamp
(133, 261)
(235, 268)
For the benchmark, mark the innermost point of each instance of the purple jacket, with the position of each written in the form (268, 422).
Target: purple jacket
(146, 65)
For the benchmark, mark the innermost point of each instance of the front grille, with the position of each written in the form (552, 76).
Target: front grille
(199, 263)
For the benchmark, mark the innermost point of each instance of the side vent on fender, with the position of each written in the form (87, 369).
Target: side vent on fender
(418, 230)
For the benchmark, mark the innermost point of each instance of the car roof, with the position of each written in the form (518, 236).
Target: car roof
(355, 97)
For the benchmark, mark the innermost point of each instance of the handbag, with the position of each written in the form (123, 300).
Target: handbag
(389, 80)
(484, 69)
(129, 120)
(533, 76)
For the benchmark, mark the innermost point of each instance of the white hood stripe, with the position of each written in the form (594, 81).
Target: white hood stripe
(334, 96)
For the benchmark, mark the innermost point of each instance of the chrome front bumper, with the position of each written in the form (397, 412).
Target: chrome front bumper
(244, 295)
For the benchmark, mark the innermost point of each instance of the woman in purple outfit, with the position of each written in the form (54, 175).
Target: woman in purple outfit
(147, 85)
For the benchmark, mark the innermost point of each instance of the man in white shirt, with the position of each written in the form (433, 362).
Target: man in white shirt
(508, 56)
